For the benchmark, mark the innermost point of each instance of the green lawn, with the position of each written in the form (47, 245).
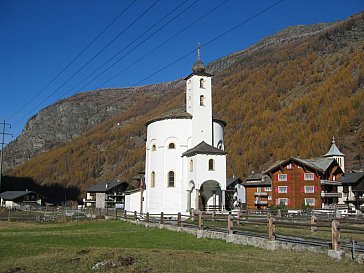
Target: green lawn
(78, 246)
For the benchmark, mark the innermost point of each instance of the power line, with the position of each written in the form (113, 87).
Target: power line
(166, 41)
(192, 51)
(3, 134)
(89, 61)
(74, 59)
(134, 48)
(206, 44)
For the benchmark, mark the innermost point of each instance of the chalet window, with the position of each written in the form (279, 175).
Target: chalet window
(309, 201)
(202, 83)
(282, 177)
(211, 165)
(154, 148)
(259, 189)
(269, 198)
(171, 146)
(309, 177)
(334, 178)
(152, 180)
(283, 201)
(289, 166)
(191, 165)
(171, 178)
(268, 189)
(282, 189)
(309, 189)
(202, 100)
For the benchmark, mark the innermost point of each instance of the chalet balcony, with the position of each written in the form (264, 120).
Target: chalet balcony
(331, 194)
(330, 182)
(260, 203)
(262, 194)
(335, 206)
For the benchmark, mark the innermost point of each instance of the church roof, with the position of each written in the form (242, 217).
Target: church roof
(176, 113)
(334, 150)
(204, 148)
(198, 68)
(179, 113)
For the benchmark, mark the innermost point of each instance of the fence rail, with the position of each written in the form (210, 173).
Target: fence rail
(306, 230)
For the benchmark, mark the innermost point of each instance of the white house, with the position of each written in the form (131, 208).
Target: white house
(18, 199)
(185, 159)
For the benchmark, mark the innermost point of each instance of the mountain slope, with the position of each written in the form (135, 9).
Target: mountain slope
(285, 96)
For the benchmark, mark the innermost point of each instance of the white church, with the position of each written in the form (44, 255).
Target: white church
(185, 164)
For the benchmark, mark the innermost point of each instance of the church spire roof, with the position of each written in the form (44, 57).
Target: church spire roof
(334, 150)
(198, 67)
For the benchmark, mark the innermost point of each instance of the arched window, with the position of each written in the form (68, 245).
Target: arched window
(202, 82)
(154, 148)
(202, 100)
(152, 180)
(171, 179)
(211, 165)
(191, 165)
(171, 146)
(219, 145)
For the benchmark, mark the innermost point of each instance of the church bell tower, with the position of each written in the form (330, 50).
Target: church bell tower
(199, 102)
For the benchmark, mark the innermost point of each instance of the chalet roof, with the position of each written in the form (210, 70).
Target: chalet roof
(12, 195)
(257, 179)
(334, 150)
(352, 178)
(203, 148)
(104, 187)
(320, 164)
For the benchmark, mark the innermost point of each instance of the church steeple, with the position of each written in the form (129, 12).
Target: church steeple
(198, 67)
(335, 153)
(199, 102)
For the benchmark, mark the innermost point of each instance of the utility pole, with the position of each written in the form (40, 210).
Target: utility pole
(3, 134)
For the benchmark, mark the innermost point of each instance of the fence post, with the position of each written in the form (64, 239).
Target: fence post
(230, 224)
(335, 235)
(271, 228)
(213, 216)
(313, 225)
(200, 221)
(135, 215)
(125, 214)
(161, 221)
(192, 215)
(238, 221)
(147, 218)
(179, 219)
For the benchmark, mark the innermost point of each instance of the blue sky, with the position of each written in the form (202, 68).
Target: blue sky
(39, 38)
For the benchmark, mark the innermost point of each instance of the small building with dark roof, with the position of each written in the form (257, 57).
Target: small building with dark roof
(17, 199)
(258, 187)
(353, 190)
(106, 195)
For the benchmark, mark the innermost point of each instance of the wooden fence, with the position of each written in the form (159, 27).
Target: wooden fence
(330, 233)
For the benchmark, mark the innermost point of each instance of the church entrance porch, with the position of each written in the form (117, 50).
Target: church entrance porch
(210, 197)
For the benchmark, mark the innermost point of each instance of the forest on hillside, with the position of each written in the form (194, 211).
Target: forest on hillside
(280, 101)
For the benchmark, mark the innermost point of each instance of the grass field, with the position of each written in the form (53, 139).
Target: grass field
(124, 247)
